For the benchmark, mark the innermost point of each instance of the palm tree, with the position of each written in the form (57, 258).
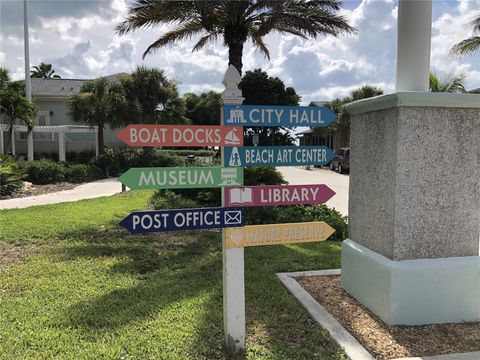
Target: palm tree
(471, 44)
(13, 103)
(44, 71)
(151, 98)
(342, 121)
(453, 84)
(99, 103)
(235, 22)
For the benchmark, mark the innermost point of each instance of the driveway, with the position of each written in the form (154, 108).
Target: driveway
(106, 187)
(335, 181)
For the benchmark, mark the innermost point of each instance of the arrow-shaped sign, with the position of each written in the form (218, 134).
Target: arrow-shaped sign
(267, 115)
(181, 178)
(277, 156)
(274, 234)
(181, 135)
(182, 219)
(275, 195)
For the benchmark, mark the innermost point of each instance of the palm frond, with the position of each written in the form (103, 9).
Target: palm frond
(204, 40)
(185, 31)
(467, 46)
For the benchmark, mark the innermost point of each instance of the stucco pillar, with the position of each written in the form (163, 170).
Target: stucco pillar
(414, 208)
(61, 146)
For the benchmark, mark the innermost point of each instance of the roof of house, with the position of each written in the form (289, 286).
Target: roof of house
(61, 87)
(475, 91)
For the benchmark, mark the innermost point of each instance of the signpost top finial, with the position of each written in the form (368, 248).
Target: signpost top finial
(231, 77)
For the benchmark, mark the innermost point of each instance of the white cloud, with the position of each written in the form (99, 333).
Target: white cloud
(79, 39)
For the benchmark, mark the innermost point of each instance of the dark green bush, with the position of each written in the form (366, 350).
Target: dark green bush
(164, 200)
(43, 171)
(76, 173)
(10, 176)
(116, 161)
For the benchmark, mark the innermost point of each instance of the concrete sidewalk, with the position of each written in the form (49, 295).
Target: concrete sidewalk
(335, 181)
(90, 190)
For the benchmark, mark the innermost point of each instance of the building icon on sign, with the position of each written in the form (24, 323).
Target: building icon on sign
(236, 116)
(229, 177)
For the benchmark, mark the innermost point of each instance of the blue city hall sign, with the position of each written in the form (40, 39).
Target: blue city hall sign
(183, 219)
(265, 115)
(277, 156)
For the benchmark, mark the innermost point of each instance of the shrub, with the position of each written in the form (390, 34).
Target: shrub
(116, 161)
(263, 175)
(10, 178)
(164, 200)
(76, 173)
(43, 171)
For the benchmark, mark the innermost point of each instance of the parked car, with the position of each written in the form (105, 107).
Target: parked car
(341, 161)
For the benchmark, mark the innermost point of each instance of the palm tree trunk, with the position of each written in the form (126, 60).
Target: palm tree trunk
(235, 52)
(101, 140)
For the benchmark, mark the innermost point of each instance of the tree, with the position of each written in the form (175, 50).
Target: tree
(235, 22)
(13, 103)
(341, 124)
(151, 98)
(99, 103)
(471, 44)
(44, 71)
(453, 83)
(203, 109)
(260, 89)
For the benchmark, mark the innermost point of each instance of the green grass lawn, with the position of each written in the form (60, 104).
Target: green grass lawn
(92, 291)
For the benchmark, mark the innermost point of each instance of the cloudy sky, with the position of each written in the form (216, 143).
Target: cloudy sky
(78, 38)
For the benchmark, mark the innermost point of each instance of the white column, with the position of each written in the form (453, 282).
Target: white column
(13, 141)
(61, 146)
(97, 152)
(233, 264)
(413, 45)
(30, 145)
(2, 151)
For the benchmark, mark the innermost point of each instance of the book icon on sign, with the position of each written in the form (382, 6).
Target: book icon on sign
(241, 196)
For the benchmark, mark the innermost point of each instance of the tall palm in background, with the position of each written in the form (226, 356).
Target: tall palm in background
(453, 84)
(99, 103)
(44, 71)
(13, 103)
(235, 22)
(471, 44)
(341, 124)
(151, 98)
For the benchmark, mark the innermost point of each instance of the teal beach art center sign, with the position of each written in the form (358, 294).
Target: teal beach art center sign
(277, 156)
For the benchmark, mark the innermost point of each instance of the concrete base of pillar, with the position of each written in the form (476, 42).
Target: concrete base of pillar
(413, 292)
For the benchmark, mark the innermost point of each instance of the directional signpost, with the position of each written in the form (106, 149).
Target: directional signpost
(276, 195)
(184, 219)
(265, 115)
(275, 234)
(181, 135)
(181, 178)
(277, 156)
(234, 156)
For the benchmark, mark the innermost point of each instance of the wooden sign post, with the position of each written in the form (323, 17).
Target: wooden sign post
(233, 261)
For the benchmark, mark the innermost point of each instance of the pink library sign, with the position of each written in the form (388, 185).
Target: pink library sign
(274, 195)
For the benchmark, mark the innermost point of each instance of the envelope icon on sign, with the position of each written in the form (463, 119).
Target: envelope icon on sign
(233, 217)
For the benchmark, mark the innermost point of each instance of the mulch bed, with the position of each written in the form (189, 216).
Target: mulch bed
(35, 190)
(389, 342)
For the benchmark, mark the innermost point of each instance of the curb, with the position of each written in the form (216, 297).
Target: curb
(339, 334)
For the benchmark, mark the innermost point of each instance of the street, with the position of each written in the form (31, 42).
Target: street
(337, 182)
